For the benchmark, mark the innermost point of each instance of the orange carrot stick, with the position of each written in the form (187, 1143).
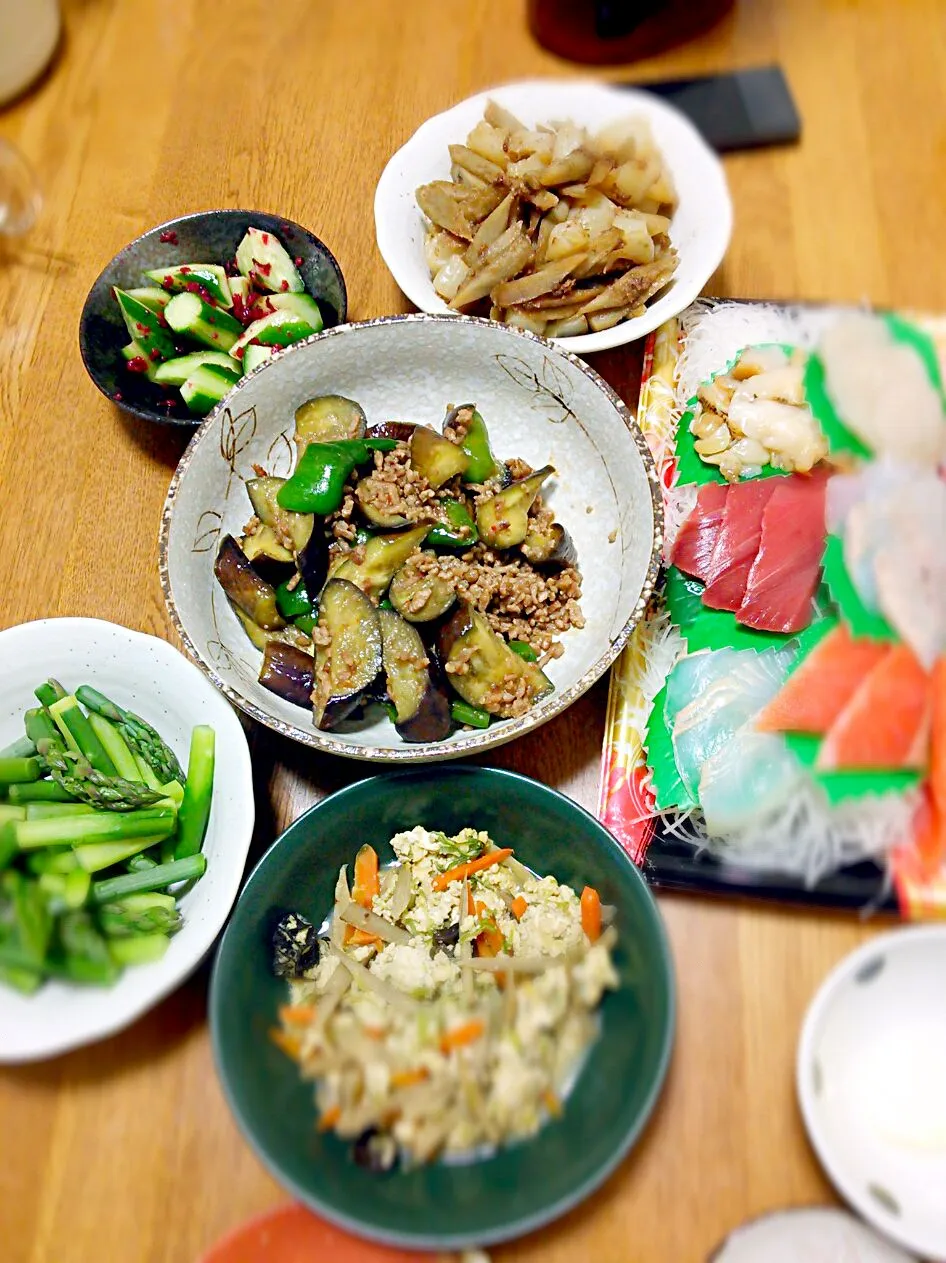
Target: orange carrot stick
(367, 881)
(407, 1078)
(460, 1036)
(519, 906)
(470, 905)
(297, 1014)
(443, 880)
(359, 938)
(591, 913)
(552, 1103)
(291, 1045)
(331, 1116)
(489, 941)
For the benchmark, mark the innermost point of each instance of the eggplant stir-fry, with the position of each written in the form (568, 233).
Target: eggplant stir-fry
(403, 567)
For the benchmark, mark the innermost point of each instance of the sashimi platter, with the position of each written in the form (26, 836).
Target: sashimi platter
(777, 725)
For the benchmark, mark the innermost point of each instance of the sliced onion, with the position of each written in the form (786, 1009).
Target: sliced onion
(401, 897)
(382, 989)
(354, 914)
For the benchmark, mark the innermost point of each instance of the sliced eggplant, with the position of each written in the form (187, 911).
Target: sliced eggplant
(549, 544)
(253, 595)
(434, 457)
(261, 639)
(417, 595)
(383, 556)
(487, 663)
(503, 519)
(422, 709)
(313, 562)
(328, 418)
(371, 507)
(400, 430)
(296, 527)
(347, 665)
(288, 672)
(481, 463)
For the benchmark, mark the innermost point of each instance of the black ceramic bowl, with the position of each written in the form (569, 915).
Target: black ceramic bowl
(206, 237)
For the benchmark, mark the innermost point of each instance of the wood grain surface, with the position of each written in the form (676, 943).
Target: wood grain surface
(125, 1152)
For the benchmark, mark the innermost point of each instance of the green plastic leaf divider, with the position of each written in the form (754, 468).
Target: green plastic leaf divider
(862, 622)
(703, 628)
(668, 788)
(842, 786)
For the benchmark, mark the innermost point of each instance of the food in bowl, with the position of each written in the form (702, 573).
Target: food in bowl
(405, 567)
(444, 1005)
(552, 229)
(100, 833)
(197, 327)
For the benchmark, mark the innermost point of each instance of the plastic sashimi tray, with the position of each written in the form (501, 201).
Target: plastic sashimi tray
(625, 803)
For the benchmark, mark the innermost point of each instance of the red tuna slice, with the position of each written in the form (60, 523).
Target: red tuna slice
(787, 569)
(818, 690)
(693, 548)
(886, 724)
(737, 543)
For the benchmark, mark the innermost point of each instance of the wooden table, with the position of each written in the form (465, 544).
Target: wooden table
(125, 1152)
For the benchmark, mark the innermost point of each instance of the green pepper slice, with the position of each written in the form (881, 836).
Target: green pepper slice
(459, 531)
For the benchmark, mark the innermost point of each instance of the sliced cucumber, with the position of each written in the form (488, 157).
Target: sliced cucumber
(153, 298)
(176, 372)
(241, 291)
(280, 328)
(209, 276)
(206, 386)
(189, 315)
(265, 262)
(302, 305)
(135, 352)
(144, 326)
(254, 355)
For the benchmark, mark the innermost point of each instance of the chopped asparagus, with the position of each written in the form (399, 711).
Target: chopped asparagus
(22, 748)
(139, 734)
(100, 826)
(115, 746)
(143, 949)
(15, 771)
(73, 723)
(198, 793)
(158, 877)
(82, 781)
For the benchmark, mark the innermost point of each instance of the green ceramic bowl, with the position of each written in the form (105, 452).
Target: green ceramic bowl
(443, 1206)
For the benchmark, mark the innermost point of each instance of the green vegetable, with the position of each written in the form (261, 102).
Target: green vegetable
(293, 601)
(176, 372)
(11, 811)
(189, 315)
(39, 792)
(79, 952)
(524, 650)
(55, 811)
(99, 826)
(115, 747)
(175, 791)
(54, 859)
(73, 723)
(134, 355)
(22, 748)
(482, 464)
(154, 877)
(96, 856)
(25, 922)
(8, 846)
(141, 737)
(209, 276)
(148, 913)
(145, 327)
(265, 262)
(142, 949)
(305, 622)
(153, 298)
(318, 482)
(254, 355)
(49, 692)
(65, 890)
(474, 716)
(198, 793)
(26, 981)
(279, 328)
(76, 775)
(205, 388)
(18, 771)
(140, 864)
(459, 531)
(40, 727)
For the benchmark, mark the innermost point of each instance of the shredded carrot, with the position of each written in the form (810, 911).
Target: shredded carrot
(407, 1078)
(460, 1036)
(519, 906)
(297, 1014)
(331, 1116)
(359, 938)
(552, 1103)
(291, 1045)
(443, 880)
(470, 905)
(367, 881)
(489, 941)
(591, 913)
(374, 1032)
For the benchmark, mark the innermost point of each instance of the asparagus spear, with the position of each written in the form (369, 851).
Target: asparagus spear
(49, 692)
(39, 792)
(111, 889)
(25, 923)
(137, 914)
(98, 826)
(139, 734)
(80, 953)
(65, 891)
(54, 811)
(115, 747)
(25, 980)
(22, 748)
(15, 771)
(39, 726)
(76, 776)
(139, 950)
(198, 793)
(54, 859)
(72, 722)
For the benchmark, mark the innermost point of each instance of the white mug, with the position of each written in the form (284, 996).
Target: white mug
(29, 33)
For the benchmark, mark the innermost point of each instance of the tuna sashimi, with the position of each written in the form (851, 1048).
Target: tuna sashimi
(886, 723)
(737, 543)
(694, 545)
(818, 689)
(787, 569)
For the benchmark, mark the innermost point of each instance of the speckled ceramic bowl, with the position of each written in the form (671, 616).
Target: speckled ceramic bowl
(539, 402)
(206, 237)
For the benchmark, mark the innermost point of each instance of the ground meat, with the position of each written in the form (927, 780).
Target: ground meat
(396, 489)
(456, 430)
(510, 697)
(518, 468)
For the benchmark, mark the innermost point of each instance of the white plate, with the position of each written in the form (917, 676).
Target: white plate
(871, 1080)
(538, 402)
(150, 677)
(701, 226)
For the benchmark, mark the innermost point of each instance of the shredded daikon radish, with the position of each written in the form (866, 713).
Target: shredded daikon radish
(679, 503)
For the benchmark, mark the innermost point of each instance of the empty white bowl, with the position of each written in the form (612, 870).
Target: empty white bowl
(701, 226)
(150, 677)
(871, 1080)
(539, 403)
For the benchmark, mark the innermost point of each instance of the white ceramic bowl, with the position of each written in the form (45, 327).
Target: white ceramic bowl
(871, 1080)
(150, 677)
(539, 403)
(701, 227)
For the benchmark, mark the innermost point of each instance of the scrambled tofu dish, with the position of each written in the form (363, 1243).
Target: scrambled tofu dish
(445, 1004)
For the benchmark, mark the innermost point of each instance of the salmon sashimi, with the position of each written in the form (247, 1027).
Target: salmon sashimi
(821, 686)
(886, 723)
(737, 543)
(786, 572)
(938, 738)
(693, 549)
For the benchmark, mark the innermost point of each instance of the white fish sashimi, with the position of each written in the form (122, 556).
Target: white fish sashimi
(881, 390)
(747, 779)
(693, 673)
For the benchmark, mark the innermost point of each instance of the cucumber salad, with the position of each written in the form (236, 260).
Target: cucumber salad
(445, 1005)
(198, 327)
(405, 568)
